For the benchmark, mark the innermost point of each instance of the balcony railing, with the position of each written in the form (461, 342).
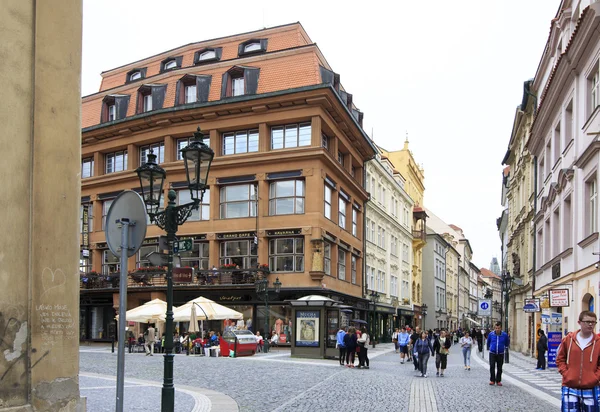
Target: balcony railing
(209, 278)
(418, 234)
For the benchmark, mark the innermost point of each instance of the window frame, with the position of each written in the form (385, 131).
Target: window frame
(251, 202)
(294, 254)
(273, 197)
(328, 205)
(158, 149)
(299, 128)
(249, 136)
(341, 263)
(90, 162)
(203, 211)
(342, 211)
(327, 257)
(114, 155)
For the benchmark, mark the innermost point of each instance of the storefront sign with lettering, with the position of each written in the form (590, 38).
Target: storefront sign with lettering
(284, 232)
(182, 275)
(235, 235)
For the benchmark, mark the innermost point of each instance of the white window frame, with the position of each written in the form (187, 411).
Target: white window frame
(291, 135)
(203, 212)
(112, 112)
(238, 86)
(116, 160)
(297, 254)
(297, 197)
(157, 148)
(170, 64)
(250, 201)
(147, 102)
(328, 201)
(250, 136)
(342, 207)
(250, 47)
(87, 167)
(354, 222)
(353, 261)
(207, 55)
(190, 93)
(341, 263)
(327, 258)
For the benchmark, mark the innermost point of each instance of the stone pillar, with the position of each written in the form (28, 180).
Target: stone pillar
(39, 274)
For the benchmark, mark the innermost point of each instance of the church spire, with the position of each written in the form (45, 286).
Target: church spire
(406, 141)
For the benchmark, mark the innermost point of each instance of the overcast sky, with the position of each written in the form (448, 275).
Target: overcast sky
(450, 74)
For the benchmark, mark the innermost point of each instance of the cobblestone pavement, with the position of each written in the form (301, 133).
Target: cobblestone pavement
(277, 382)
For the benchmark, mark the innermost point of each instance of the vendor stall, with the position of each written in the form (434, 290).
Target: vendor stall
(240, 341)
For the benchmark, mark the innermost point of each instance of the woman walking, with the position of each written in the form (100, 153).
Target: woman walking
(350, 342)
(441, 347)
(363, 344)
(466, 343)
(403, 342)
(422, 349)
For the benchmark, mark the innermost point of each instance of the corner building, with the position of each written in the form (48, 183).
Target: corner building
(286, 182)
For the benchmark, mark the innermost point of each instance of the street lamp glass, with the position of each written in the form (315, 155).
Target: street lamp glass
(277, 285)
(152, 178)
(197, 158)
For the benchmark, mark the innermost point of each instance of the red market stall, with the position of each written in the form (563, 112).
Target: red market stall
(242, 342)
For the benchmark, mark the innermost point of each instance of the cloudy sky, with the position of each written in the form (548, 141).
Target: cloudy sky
(448, 74)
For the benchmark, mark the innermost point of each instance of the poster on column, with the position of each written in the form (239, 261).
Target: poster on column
(307, 328)
(554, 339)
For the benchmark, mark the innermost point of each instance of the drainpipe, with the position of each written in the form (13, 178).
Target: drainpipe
(535, 189)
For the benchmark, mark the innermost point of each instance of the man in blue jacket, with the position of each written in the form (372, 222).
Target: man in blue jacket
(340, 344)
(497, 341)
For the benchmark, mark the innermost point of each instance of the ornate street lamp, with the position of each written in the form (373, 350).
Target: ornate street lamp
(197, 159)
(424, 311)
(374, 296)
(262, 291)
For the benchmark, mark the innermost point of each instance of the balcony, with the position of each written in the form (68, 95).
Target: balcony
(141, 279)
(419, 238)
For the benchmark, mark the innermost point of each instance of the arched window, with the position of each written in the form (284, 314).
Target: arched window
(418, 293)
(414, 292)
(588, 302)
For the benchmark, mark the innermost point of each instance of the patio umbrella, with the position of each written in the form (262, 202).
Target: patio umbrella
(359, 321)
(205, 309)
(149, 312)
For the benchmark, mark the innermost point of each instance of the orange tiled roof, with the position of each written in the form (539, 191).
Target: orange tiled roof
(488, 273)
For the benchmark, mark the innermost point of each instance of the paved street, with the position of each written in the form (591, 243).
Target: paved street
(277, 382)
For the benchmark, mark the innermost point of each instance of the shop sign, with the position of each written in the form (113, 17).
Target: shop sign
(532, 305)
(199, 237)
(182, 275)
(556, 318)
(86, 228)
(403, 312)
(284, 232)
(150, 241)
(101, 246)
(559, 297)
(85, 253)
(235, 235)
(554, 339)
(230, 298)
(307, 328)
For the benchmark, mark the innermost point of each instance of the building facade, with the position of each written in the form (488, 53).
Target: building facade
(564, 144)
(286, 195)
(518, 183)
(435, 281)
(388, 250)
(414, 177)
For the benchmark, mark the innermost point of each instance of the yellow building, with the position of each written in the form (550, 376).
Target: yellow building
(407, 166)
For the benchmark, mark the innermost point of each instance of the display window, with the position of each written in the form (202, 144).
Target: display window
(279, 321)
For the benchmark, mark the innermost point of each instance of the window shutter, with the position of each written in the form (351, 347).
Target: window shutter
(203, 88)
(329, 77)
(178, 93)
(241, 48)
(263, 44)
(219, 52)
(121, 105)
(179, 60)
(158, 96)
(224, 81)
(251, 79)
(104, 112)
(344, 97)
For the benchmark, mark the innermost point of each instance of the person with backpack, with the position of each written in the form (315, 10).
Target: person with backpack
(340, 344)
(403, 342)
(421, 351)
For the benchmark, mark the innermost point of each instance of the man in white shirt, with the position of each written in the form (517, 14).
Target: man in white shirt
(149, 340)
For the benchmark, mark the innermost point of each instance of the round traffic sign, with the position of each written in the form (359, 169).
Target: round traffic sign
(128, 205)
(484, 305)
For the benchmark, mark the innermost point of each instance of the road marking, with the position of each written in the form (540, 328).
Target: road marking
(527, 388)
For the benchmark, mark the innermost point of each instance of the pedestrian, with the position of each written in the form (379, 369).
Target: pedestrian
(479, 338)
(413, 339)
(542, 347)
(578, 361)
(130, 339)
(149, 338)
(441, 347)
(466, 343)
(403, 343)
(363, 343)
(421, 351)
(350, 342)
(340, 344)
(395, 339)
(497, 342)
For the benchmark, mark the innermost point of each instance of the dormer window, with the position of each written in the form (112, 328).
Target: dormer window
(252, 46)
(114, 107)
(170, 63)
(150, 97)
(136, 74)
(192, 89)
(239, 81)
(207, 55)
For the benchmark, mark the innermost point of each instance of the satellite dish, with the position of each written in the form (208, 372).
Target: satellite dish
(128, 205)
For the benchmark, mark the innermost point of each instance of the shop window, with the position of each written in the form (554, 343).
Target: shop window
(203, 212)
(286, 255)
(157, 148)
(291, 135)
(244, 141)
(110, 262)
(85, 265)
(242, 253)
(87, 167)
(197, 257)
(286, 197)
(238, 201)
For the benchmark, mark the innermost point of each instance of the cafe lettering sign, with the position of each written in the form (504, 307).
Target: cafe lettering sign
(235, 235)
(182, 275)
(230, 298)
(559, 297)
(86, 227)
(284, 232)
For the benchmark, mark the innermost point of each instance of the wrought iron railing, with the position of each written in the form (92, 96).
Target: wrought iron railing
(212, 277)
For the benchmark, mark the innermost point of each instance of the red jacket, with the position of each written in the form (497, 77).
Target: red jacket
(580, 368)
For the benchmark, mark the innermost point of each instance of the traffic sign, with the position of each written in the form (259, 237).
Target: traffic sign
(485, 307)
(184, 245)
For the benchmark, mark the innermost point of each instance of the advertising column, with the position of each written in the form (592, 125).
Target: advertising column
(554, 339)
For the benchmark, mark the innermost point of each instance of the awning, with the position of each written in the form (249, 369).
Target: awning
(473, 321)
